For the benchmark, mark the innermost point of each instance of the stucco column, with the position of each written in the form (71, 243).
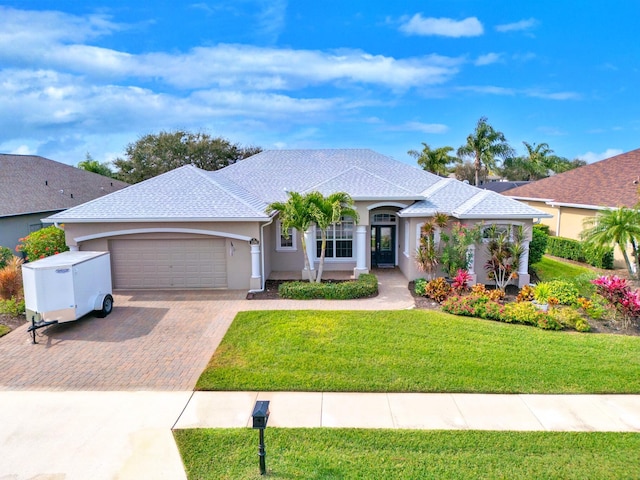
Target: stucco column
(256, 277)
(523, 269)
(471, 255)
(361, 251)
(311, 244)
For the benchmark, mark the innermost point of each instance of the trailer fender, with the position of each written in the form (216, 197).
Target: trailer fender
(103, 305)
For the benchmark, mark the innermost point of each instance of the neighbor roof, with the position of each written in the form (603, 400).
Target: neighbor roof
(612, 182)
(34, 184)
(242, 191)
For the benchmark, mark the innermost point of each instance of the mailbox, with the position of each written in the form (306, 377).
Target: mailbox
(260, 414)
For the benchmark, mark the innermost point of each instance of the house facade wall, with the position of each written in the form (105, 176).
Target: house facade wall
(15, 227)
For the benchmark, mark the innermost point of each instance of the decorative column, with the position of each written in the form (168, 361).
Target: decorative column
(256, 277)
(311, 244)
(361, 251)
(523, 269)
(471, 255)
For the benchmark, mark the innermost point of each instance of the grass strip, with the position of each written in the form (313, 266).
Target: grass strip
(4, 330)
(551, 269)
(324, 453)
(415, 351)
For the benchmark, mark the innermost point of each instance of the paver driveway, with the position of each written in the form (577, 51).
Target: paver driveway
(151, 341)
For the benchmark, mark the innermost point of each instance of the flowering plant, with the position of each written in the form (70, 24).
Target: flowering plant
(461, 280)
(621, 298)
(43, 243)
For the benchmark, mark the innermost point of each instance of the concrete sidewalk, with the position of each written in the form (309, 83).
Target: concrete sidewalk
(433, 411)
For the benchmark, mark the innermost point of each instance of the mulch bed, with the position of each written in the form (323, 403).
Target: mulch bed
(11, 321)
(271, 289)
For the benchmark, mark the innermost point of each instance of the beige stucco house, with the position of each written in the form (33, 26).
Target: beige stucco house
(191, 228)
(573, 196)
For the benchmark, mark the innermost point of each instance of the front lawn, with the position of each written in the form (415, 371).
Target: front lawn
(415, 351)
(551, 269)
(323, 453)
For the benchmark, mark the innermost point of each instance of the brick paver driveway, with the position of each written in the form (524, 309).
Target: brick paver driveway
(151, 341)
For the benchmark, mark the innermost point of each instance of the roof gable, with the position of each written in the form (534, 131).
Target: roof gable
(33, 184)
(612, 182)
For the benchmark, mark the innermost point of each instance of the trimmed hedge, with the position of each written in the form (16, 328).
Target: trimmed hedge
(365, 286)
(538, 244)
(574, 250)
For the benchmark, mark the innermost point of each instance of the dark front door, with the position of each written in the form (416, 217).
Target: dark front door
(383, 241)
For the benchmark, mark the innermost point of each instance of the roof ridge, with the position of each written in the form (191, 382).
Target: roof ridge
(439, 185)
(210, 176)
(367, 172)
(473, 201)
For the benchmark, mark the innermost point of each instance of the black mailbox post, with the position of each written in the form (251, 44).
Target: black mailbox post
(260, 417)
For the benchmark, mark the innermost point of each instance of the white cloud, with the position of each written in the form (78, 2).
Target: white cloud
(527, 24)
(591, 157)
(553, 95)
(446, 27)
(488, 59)
(436, 128)
(534, 93)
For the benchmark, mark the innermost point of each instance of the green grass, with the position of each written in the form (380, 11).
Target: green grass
(552, 269)
(415, 351)
(4, 330)
(392, 454)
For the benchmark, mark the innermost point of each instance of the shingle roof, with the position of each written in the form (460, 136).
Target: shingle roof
(612, 182)
(33, 184)
(242, 191)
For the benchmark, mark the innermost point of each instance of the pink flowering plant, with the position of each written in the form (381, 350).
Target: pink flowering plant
(621, 298)
(461, 281)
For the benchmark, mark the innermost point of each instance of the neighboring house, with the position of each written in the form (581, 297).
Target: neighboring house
(190, 228)
(33, 187)
(503, 185)
(573, 196)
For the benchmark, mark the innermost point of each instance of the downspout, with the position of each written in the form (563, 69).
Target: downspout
(264, 280)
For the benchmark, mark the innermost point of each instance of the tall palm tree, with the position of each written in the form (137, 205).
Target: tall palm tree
(328, 211)
(485, 144)
(539, 157)
(434, 161)
(295, 213)
(619, 227)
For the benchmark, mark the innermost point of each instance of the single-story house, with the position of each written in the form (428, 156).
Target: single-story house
(571, 197)
(190, 228)
(33, 187)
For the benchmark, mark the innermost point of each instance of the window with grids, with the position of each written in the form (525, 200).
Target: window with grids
(339, 239)
(282, 242)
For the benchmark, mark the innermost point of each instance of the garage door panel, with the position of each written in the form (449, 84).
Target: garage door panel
(149, 264)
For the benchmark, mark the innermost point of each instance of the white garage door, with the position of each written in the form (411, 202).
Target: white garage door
(150, 264)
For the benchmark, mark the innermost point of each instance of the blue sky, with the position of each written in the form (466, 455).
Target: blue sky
(93, 76)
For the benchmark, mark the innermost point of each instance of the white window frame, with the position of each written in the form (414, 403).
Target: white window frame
(317, 238)
(436, 234)
(293, 236)
(509, 226)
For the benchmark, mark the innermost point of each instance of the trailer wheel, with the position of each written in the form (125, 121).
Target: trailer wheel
(107, 307)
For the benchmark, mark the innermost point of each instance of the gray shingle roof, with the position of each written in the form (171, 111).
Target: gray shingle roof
(243, 190)
(33, 184)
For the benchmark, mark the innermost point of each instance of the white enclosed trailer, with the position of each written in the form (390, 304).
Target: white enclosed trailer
(64, 287)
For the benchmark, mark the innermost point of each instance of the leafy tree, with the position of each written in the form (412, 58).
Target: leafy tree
(561, 164)
(435, 161)
(295, 213)
(91, 165)
(538, 244)
(484, 145)
(620, 227)
(466, 171)
(327, 211)
(43, 243)
(153, 155)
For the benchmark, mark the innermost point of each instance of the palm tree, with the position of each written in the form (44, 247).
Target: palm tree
(327, 211)
(539, 157)
(619, 227)
(485, 144)
(434, 161)
(295, 213)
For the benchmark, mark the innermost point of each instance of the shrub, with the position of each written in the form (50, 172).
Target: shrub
(542, 227)
(617, 292)
(43, 243)
(565, 248)
(584, 283)
(593, 308)
(461, 281)
(5, 256)
(565, 292)
(566, 316)
(538, 244)
(524, 313)
(546, 322)
(11, 279)
(599, 257)
(420, 287)
(542, 292)
(365, 286)
(583, 326)
(438, 289)
(12, 306)
(526, 294)
(473, 306)
(496, 294)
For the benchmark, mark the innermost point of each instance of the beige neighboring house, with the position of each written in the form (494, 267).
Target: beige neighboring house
(33, 187)
(573, 196)
(191, 228)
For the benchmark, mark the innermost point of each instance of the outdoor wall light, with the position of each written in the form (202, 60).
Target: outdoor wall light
(254, 241)
(260, 417)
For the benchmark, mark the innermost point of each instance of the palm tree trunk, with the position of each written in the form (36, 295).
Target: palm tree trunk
(323, 248)
(478, 165)
(307, 265)
(627, 262)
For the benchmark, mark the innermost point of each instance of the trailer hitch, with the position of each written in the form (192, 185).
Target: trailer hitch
(36, 325)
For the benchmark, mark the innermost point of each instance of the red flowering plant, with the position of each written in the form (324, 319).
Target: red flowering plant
(621, 298)
(461, 281)
(43, 243)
